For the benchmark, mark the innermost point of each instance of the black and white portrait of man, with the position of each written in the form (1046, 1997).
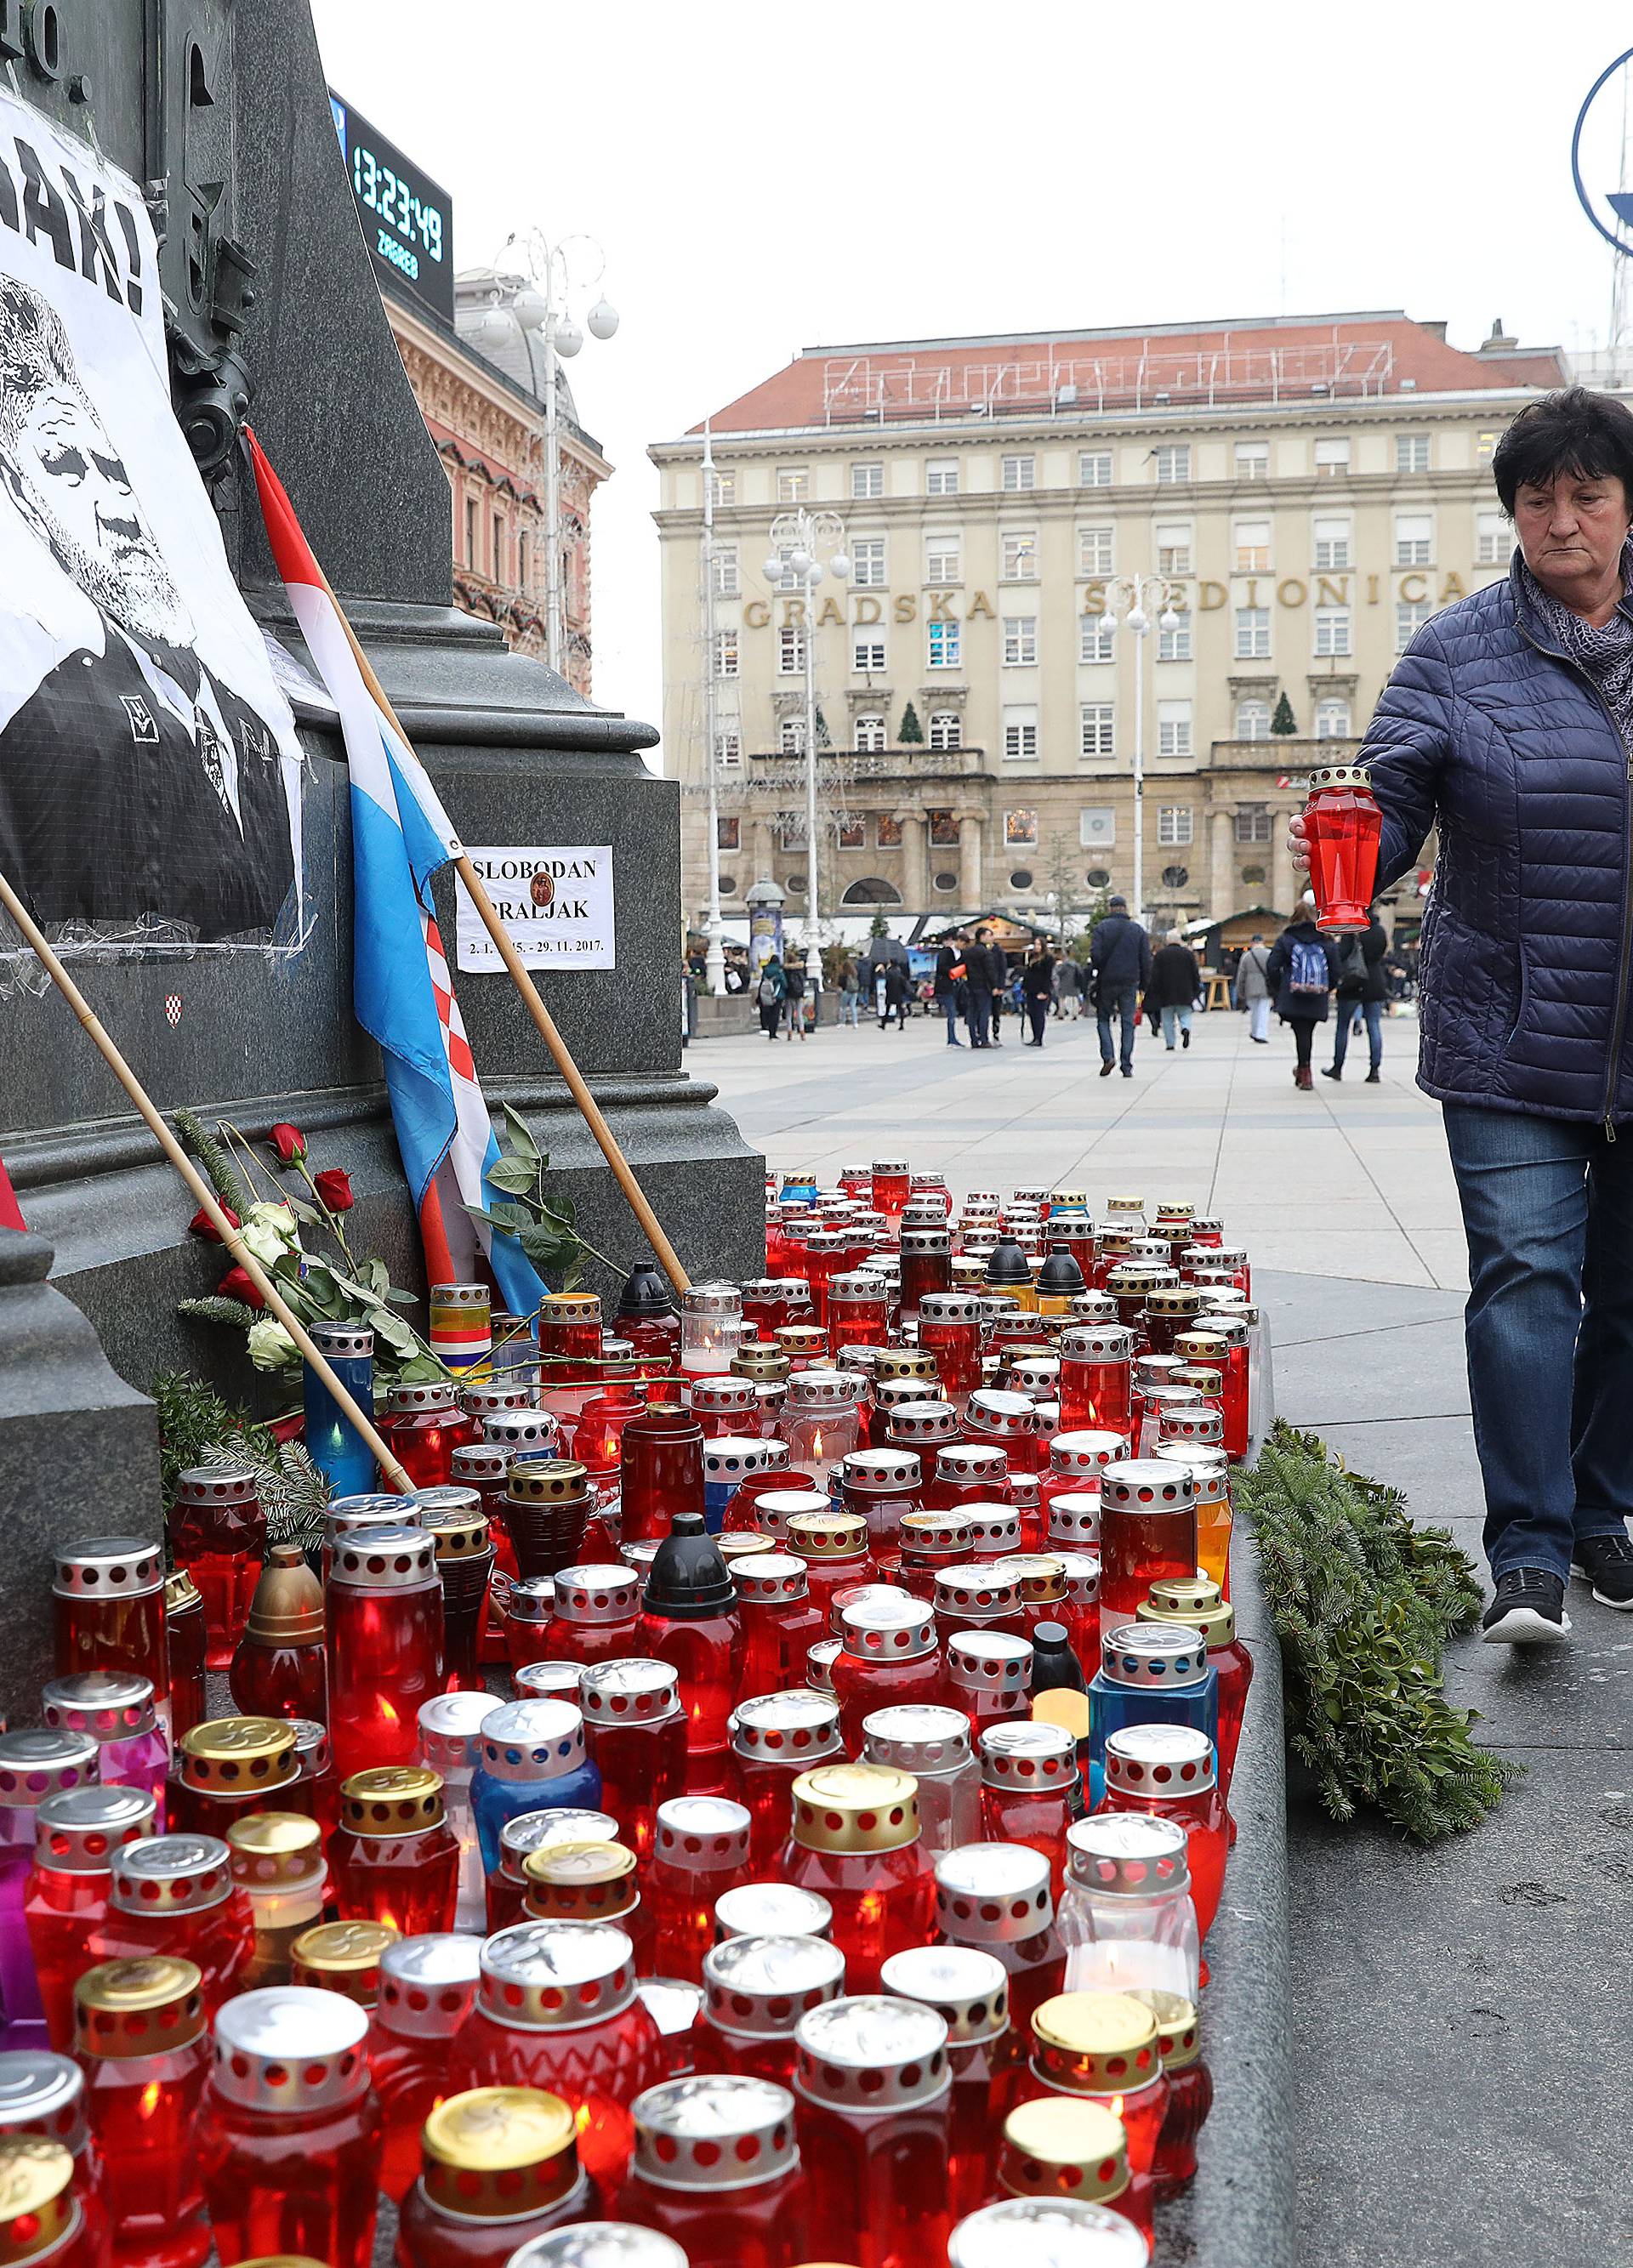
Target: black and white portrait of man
(135, 784)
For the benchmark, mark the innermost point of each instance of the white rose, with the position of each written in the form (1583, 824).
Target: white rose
(270, 1346)
(271, 1231)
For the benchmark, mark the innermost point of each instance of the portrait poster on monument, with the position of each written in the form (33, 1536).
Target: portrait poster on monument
(150, 788)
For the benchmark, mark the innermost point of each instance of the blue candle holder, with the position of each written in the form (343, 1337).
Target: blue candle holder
(333, 1443)
(1150, 1673)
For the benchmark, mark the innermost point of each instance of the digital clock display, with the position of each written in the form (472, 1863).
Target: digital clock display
(408, 220)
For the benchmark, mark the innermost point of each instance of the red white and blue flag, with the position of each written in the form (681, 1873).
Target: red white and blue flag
(403, 992)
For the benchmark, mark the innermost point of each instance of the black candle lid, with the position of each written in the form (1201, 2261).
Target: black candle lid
(1006, 1263)
(688, 1580)
(645, 1294)
(1053, 1662)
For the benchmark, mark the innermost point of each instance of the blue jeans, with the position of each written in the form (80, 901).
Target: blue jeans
(1123, 1000)
(1547, 1209)
(850, 1009)
(980, 1016)
(950, 1009)
(1373, 1010)
(1176, 1019)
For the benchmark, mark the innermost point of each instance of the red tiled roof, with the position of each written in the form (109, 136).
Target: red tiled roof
(1218, 364)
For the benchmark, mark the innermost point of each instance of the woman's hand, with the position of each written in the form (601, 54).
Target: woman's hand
(1296, 842)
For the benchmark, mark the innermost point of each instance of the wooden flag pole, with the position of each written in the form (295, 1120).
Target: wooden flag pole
(276, 1302)
(543, 1021)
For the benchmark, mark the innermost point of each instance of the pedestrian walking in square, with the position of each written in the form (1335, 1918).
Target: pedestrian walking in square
(1302, 972)
(1362, 987)
(1120, 952)
(1176, 980)
(1037, 991)
(1253, 989)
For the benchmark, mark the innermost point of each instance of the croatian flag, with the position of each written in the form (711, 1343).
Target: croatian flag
(403, 995)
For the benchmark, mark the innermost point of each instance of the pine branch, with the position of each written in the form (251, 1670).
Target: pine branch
(203, 1148)
(215, 1309)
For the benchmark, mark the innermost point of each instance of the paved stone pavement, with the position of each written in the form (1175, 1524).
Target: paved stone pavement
(1460, 2016)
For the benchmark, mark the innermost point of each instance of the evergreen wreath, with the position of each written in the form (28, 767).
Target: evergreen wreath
(1364, 1602)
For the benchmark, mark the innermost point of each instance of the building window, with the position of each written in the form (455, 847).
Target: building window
(791, 742)
(1331, 630)
(725, 487)
(1332, 457)
(1173, 548)
(726, 585)
(794, 484)
(1094, 550)
(1173, 461)
(1415, 539)
(1020, 555)
(946, 879)
(871, 739)
(1018, 473)
(867, 651)
(853, 833)
(1020, 830)
(1174, 644)
(1411, 453)
(944, 559)
(728, 835)
(943, 652)
(1175, 878)
(1252, 720)
(868, 563)
(470, 531)
(1485, 447)
(1331, 720)
(1173, 728)
(1020, 640)
(1332, 544)
(1020, 736)
(945, 830)
(790, 651)
(1096, 637)
(1252, 822)
(1410, 616)
(1173, 825)
(1252, 461)
(946, 729)
(729, 751)
(498, 548)
(1094, 468)
(1253, 547)
(867, 480)
(1493, 539)
(725, 654)
(1095, 740)
(888, 831)
(1253, 633)
(941, 476)
(1096, 827)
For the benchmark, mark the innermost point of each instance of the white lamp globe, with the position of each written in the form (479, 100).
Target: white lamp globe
(1137, 621)
(772, 568)
(528, 308)
(569, 339)
(800, 563)
(494, 328)
(602, 320)
(840, 565)
(1168, 620)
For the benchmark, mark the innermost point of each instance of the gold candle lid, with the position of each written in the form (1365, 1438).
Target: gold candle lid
(500, 2152)
(759, 1361)
(287, 1609)
(1096, 2043)
(275, 1851)
(460, 1534)
(238, 1756)
(547, 1480)
(124, 2008)
(570, 1307)
(800, 1338)
(1179, 2031)
(1058, 2147)
(181, 1593)
(827, 1534)
(1203, 1345)
(855, 1807)
(895, 1363)
(1039, 1574)
(392, 1800)
(1216, 1620)
(744, 1543)
(37, 2208)
(580, 1881)
(344, 1957)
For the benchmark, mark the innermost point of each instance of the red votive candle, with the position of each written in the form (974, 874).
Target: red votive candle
(635, 1732)
(1147, 1531)
(394, 1857)
(427, 1988)
(873, 2086)
(1343, 829)
(140, 2039)
(218, 1533)
(855, 1841)
(384, 1642)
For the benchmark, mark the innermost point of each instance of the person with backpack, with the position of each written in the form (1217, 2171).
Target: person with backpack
(850, 993)
(793, 999)
(1362, 987)
(1301, 971)
(768, 996)
(1253, 989)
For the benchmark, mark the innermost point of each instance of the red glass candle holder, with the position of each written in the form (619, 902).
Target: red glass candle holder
(890, 1655)
(570, 1328)
(1343, 829)
(141, 2041)
(778, 1488)
(635, 1732)
(394, 1857)
(173, 1896)
(969, 1992)
(967, 1473)
(1096, 1363)
(384, 1642)
(1031, 1790)
(185, 1631)
(975, 1597)
(1198, 1605)
(756, 1989)
(279, 1669)
(548, 1502)
(835, 1548)
(873, 2087)
(453, 1518)
(700, 1849)
(688, 1618)
(781, 1621)
(1169, 1770)
(289, 2143)
(500, 2168)
(218, 1533)
(65, 1897)
(988, 1675)
(1147, 1531)
(1058, 2145)
(775, 1736)
(854, 1840)
(995, 1897)
(716, 2169)
(422, 1427)
(427, 1985)
(108, 1609)
(556, 2009)
(929, 1543)
(278, 1863)
(119, 1711)
(1103, 2048)
(597, 1614)
(661, 1470)
(537, 1831)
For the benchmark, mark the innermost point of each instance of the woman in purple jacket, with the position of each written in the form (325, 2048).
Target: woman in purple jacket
(1508, 724)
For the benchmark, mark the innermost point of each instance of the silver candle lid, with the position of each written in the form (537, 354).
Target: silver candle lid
(171, 1875)
(968, 1989)
(483, 1401)
(35, 1764)
(78, 1831)
(543, 1830)
(1097, 1343)
(41, 2093)
(1088, 1452)
(1202, 1425)
(205, 1485)
(992, 1893)
(1146, 1484)
(633, 1691)
(450, 1727)
(978, 1591)
(889, 1626)
(1131, 1855)
(994, 1528)
(428, 1984)
(109, 1567)
(550, 1976)
(701, 1834)
(880, 1472)
(391, 1559)
(600, 2244)
(770, 1910)
(550, 1681)
(524, 1431)
(597, 1593)
(1082, 1576)
(797, 1727)
(533, 1740)
(716, 2131)
(924, 1423)
(1159, 1761)
(1029, 1757)
(990, 1661)
(109, 1705)
(819, 1660)
(870, 2054)
(1157, 1657)
(769, 1578)
(928, 1741)
(1042, 2231)
(1075, 1518)
(761, 1986)
(291, 2048)
(435, 1394)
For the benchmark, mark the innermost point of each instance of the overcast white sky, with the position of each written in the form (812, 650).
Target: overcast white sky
(765, 178)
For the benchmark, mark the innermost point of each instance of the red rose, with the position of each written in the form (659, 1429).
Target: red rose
(237, 1284)
(202, 1225)
(334, 1189)
(289, 1142)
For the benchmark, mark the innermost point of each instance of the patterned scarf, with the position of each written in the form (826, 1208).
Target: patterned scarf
(1605, 654)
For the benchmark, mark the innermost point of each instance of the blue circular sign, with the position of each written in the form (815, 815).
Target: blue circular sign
(1596, 154)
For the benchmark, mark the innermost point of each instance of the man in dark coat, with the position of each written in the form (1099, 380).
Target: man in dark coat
(951, 989)
(988, 969)
(1120, 952)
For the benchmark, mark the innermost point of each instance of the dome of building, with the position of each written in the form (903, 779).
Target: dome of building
(519, 354)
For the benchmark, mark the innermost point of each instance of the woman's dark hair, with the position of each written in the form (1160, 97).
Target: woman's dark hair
(1574, 432)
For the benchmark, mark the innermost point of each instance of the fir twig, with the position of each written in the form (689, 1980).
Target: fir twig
(206, 1151)
(198, 1426)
